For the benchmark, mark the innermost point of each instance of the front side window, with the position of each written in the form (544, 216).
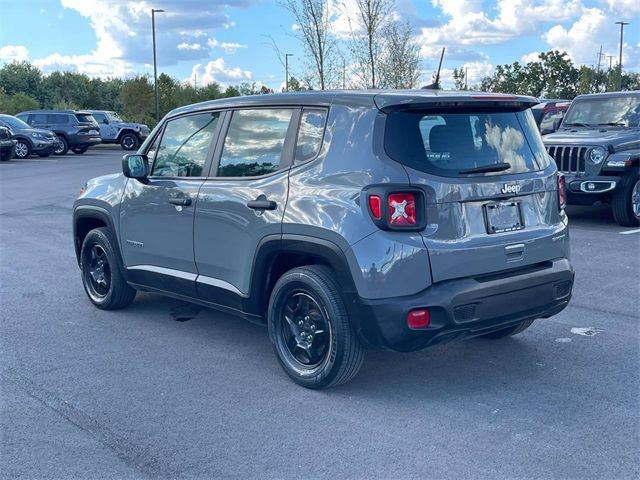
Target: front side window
(99, 117)
(254, 142)
(184, 146)
(450, 144)
(310, 134)
(38, 119)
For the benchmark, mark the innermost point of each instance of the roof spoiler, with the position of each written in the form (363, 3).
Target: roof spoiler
(388, 104)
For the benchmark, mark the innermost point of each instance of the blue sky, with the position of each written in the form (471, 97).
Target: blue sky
(231, 41)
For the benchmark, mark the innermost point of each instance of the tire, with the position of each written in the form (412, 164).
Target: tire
(626, 202)
(129, 141)
(103, 282)
(22, 149)
(311, 297)
(509, 331)
(79, 150)
(63, 146)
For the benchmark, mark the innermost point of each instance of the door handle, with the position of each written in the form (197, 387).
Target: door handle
(182, 201)
(261, 203)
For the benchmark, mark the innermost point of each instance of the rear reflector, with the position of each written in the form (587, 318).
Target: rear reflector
(375, 205)
(402, 209)
(562, 192)
(418, 318)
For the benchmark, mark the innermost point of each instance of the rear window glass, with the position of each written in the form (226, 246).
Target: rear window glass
(446, 143)
(85, 118)
(310, 134)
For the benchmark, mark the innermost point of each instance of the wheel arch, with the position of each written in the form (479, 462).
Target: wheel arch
(124, 131)
(275, 256)
(25, 138)
(87, 218)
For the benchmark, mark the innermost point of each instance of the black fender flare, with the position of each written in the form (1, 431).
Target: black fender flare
(98, 213)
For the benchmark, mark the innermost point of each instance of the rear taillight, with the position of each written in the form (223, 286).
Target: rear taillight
(562, 192)
(396, 210)
(401, 209)
(375, 205)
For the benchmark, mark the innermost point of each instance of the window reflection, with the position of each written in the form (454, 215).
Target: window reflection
(184, 146)
(254, 142)
(310, 134)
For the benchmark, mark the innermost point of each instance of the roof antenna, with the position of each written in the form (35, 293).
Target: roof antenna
(436, 85)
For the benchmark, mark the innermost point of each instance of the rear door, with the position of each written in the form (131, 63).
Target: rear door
(243, 200)
(490, 189)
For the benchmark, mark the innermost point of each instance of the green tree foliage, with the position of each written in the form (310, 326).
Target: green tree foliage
(553, 75)
(136, 97)
(21, 77)
(458, 78)
(18, 102)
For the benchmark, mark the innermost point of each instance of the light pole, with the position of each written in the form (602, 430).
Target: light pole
(155, 67)
(622, 24)
(286, 70)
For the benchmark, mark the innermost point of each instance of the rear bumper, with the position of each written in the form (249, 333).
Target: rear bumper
(464, 308)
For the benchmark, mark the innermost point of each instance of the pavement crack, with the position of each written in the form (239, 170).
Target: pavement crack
(132, 455)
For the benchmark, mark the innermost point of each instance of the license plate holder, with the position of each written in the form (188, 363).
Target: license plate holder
(503, 217)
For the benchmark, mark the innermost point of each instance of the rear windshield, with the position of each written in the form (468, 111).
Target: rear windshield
(447, 144)
(85, 118)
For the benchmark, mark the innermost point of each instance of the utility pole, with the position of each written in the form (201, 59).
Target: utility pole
(344, 74)
(600, 55)
(610, 57)
(622, 24)
(155, 67)
(286, 70)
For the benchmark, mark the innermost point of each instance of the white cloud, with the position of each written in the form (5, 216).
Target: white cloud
(582, 40)
(628, 8)
(10, 53)
(228, 47)
(190, 46)
(217, 71)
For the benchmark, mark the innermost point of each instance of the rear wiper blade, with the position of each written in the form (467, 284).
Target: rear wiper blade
(496, 167)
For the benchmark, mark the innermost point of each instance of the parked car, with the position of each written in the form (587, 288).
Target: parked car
(114, 130)
(549, 114)
(76, 129)
(338, 219)
(598, 150)
(29, 140)
(7, 144)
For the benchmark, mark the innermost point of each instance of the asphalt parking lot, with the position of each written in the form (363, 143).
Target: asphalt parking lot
(138, 394)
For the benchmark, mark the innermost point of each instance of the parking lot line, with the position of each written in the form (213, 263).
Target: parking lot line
(637, 230)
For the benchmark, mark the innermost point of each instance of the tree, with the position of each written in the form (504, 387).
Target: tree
(18, 102)
(294, 85)
(312, 19)
(459, 78)
(21, 77)
(136, 97)
(372, 17)
(400, 62)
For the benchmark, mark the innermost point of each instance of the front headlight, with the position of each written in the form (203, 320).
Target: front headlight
(597, 154)
(38, 135)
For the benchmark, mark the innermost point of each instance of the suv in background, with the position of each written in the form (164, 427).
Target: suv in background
(549, 114)
(76, 129)
(397, 220)
(7, 144)
(29, 140)
(114, 130)
(598, 149)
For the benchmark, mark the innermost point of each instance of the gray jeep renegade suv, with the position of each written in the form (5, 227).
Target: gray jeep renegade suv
(341, 220)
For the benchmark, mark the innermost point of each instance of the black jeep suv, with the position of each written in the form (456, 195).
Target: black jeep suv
(598, 149)
(76, 130)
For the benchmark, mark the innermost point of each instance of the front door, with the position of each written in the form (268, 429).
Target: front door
(156, 216)
(243, 201)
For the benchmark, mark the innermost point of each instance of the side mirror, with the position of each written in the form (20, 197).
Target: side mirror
(105, 121)
(135, 166)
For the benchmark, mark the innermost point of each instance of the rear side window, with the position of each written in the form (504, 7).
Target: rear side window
(254, 142)
(446, 143)
(85, 118)
(58, 118)
(184, 147)
(310, 133)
